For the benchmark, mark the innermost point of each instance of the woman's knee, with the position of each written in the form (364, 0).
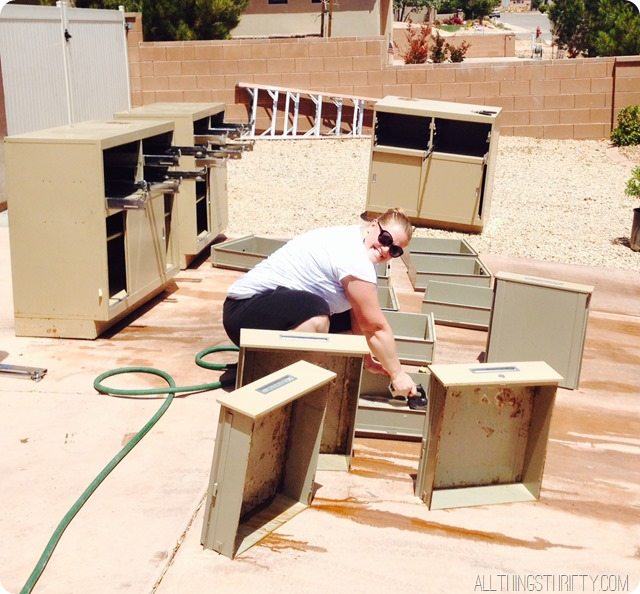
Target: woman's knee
(314, 324)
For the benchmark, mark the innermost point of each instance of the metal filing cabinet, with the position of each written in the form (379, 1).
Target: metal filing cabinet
(203, 142)
(487, 433)
(434, 159)
(264, 351)
(265, 456)
(91, 215)
(539, 318)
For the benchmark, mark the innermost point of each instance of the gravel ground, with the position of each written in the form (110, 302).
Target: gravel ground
(553, 200)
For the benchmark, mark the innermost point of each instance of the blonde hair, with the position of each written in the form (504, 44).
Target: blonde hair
(397, 215)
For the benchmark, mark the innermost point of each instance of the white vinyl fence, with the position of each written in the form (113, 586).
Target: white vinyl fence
(62, 65)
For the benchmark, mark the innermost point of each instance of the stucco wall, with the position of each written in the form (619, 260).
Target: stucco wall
(299, 17)
(540, 98)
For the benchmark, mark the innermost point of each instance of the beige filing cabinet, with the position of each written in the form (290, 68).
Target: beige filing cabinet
(537, 318)
(265, 456)
(202, 201)
(434, 159)
(264, 351)
(91, 221)
(487, 433)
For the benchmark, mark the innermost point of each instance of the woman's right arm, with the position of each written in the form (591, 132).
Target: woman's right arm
(368, 320)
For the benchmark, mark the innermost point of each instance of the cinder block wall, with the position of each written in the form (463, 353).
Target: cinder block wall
(576, 99)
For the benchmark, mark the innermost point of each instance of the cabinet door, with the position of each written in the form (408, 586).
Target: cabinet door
(453, 188)
(146, 254)
(395, 179)
(218, 202)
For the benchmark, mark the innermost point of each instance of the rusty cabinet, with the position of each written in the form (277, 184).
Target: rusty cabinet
(487, 433)
(264, 351)
(265, 456)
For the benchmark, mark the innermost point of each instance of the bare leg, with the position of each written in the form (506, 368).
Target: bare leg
(315, 324)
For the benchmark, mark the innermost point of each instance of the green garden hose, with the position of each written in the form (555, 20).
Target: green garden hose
(98, 385)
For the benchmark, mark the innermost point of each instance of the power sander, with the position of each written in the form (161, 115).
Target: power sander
(417, 402)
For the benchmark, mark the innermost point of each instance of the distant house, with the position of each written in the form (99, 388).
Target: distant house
(322, 18)
(516, 5)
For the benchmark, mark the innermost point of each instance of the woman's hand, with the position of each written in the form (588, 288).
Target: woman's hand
(403, 385)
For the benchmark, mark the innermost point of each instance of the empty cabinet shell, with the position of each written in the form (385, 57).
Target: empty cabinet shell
(488, 428)
(265, 456)
(264, 351)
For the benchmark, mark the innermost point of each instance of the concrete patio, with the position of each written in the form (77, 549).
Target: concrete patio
(365, 530)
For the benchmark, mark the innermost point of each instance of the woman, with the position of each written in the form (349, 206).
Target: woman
(325, 281)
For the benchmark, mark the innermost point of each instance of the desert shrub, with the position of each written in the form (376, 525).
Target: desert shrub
(454, 20)
(438, 52)
(627, 129)
(457, 54)
(418, 38)
(633, 184)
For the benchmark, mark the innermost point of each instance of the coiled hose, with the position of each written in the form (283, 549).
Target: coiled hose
(100, 387)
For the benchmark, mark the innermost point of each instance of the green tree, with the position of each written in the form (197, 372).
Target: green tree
(478, 9)
(595, 27)
(569, 28)
(618, 30)
(177, 20)
(403, 8)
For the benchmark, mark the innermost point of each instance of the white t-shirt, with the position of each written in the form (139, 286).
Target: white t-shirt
(315, 261)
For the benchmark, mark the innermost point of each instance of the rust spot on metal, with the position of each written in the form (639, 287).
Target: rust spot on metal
(506, 397)
(488, 431)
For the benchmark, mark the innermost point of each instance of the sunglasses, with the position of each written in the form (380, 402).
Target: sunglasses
(386, 240)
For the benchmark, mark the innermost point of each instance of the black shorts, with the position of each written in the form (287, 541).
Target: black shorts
(278, 309)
